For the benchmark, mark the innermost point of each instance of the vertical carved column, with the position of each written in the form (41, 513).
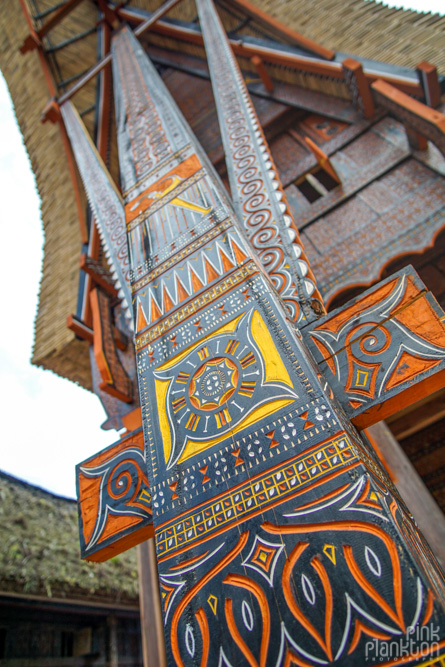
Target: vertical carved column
(258, 195)
(279, 539)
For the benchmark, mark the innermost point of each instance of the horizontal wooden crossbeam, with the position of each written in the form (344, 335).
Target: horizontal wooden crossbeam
(114, 516)
(98, 67)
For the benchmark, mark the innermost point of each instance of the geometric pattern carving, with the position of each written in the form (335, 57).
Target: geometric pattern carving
(383, 350)
(263, 558)
(114, 499)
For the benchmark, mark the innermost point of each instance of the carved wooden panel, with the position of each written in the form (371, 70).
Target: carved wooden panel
(383, 350)
(114, 499)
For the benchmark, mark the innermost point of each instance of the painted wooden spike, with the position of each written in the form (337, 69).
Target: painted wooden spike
(107, 208)
(255, 184)
(383, 350)
(114, 499)
(258, 547)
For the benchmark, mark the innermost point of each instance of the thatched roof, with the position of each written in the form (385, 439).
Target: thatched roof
(39, 551)
(363, 28)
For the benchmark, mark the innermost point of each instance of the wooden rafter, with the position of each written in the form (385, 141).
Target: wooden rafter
(35, 37)
(417, 117)
(98, 67)
(279, 29)
(66, 143)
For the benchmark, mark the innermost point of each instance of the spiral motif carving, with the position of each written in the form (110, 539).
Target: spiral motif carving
(120, 480)
(262, 202)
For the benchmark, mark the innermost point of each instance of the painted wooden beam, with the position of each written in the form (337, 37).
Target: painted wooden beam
(417, 116)
(114, 499)
(256, 477)
(105, 201)
(276, 529)
(384, 350)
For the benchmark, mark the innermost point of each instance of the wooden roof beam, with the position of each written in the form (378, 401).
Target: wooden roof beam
(35, 37)
(417, 117)
(279, 29)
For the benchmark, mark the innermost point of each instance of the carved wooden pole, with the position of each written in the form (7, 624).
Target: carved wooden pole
(257, 192)
(279, 539)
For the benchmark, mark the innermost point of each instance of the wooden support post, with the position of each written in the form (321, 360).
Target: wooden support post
(420, 502)
(429, 81)
(322, 159)
(153, 644)
(262, 73)
(358, 86)
(113, 648)
(417, 141)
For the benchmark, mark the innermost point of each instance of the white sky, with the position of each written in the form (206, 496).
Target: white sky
(48, 423)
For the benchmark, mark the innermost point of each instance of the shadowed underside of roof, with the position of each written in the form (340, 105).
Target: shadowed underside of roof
(358, 27)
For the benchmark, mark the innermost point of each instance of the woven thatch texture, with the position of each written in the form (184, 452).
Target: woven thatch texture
(366, 29)
(58, 289)
(39, 550)
(360, 27)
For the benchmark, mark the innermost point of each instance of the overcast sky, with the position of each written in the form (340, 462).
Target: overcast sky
(48, 423)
